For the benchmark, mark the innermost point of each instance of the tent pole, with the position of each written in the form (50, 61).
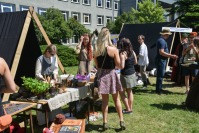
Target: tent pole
(34, 15)
(177, 25)
(19, 51)
(121, 29)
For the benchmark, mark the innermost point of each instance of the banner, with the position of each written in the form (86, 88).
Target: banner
(175, 29)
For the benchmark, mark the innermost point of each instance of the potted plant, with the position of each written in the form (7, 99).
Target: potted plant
(35, 86)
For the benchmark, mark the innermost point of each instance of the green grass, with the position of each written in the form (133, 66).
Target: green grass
(152, 113)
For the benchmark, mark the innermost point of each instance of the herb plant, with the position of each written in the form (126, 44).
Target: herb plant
(35, 86)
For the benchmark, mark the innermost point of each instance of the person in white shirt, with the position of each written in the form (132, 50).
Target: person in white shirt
(143, 59)
(46, 64)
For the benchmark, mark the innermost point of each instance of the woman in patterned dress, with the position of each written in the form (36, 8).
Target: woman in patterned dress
(106, 58)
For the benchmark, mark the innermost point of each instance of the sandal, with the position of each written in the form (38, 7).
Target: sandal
(126, 112)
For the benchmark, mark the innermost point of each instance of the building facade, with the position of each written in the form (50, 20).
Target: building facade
(93, 14)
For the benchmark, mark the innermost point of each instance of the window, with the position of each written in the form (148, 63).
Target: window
(41, 11)
(75, 39)
(7, 7)
(87, 19)
(24, 8)
(76, 16)
(99, 20)
(75, 1)
(108, 3)
(62, 0)
(86, 2)
(99, 3)
(108, 19)
(116, 5)
(65, 15)
(65, 40)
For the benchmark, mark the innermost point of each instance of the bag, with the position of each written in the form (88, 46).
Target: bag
(5, 122)
(82, 78)
(96, 96)
(96, 81)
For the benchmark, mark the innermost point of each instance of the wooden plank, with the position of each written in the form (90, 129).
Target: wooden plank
(167, 68)
(34, 15)
(19, 51)
(24, 109)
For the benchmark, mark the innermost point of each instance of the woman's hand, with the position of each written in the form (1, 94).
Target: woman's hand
(124, 55)
(81, 38)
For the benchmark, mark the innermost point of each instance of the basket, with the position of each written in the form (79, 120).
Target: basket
(82, 83)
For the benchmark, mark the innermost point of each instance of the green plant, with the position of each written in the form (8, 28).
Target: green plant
(35, 86)
(67, 55)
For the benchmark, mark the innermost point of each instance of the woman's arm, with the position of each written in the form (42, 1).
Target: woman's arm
(38, 74)
(78, 47)
(123, 57)
(136, 61)
(116, 57)
(10, 86)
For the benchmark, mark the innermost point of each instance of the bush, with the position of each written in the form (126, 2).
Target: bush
(67, 55)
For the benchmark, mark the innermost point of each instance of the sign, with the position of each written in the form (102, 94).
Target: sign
(176, 29)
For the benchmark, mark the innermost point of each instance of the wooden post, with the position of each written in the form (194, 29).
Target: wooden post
(34, 15)
(177, 25)
(19, 51)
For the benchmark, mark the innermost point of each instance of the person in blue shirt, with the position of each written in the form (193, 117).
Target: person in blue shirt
(161, 58)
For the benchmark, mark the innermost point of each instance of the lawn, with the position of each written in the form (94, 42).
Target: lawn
(152, 113)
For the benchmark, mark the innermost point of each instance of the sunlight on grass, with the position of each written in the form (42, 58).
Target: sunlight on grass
(152, 113)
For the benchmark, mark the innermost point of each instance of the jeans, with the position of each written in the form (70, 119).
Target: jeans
(160, 64)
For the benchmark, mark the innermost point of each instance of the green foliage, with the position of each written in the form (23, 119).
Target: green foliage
(148, 12)
(126, 17)
(77, 28)
(187, 11)
(35, 86)
(55, 26)
(67, 55)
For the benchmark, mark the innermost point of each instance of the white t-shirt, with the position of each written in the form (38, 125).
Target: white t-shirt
(143, 55)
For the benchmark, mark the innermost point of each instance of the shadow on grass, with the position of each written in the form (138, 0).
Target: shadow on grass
(169, 106)
(99, 128)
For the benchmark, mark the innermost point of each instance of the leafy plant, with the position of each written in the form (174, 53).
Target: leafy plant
(35, 86)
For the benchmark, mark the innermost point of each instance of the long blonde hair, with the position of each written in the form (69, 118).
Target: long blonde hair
(103, 39)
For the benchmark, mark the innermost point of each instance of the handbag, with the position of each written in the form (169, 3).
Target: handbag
(5, 121)
(96, 79)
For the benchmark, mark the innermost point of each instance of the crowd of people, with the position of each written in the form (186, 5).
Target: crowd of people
(123, 57)
(98, 51)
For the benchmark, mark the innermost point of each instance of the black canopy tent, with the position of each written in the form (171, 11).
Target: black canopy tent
(19, 45)
(151, 32)
(11, 29)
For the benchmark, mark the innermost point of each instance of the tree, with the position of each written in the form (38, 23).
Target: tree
(148, 12)
(126, 17)
(78, 29)
(188, 11)
(54, 25)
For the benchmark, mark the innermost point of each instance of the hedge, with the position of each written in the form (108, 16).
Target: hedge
(67, 55)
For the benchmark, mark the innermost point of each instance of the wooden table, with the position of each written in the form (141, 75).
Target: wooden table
(56, 127)
(23, 110)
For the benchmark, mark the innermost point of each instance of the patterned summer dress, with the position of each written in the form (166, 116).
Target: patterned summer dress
(109, 82)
